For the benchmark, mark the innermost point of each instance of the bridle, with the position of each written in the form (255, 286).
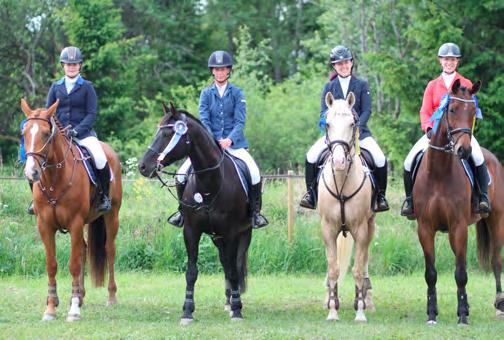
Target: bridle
(451, 133)
(348, 147)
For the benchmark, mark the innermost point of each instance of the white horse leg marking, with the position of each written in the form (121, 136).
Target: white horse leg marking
(30, 161)
(74, 312)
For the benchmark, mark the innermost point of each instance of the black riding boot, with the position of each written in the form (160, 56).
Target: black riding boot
(177, 219)
(255, 201)
(104, 178)
(407, 207)
(381, 188)
(309, 199)
(30, 210)
(482, 180)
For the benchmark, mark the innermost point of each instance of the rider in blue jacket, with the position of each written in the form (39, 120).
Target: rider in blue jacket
(342, 83)
(222, 109)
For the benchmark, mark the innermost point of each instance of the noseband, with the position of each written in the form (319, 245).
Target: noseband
(452, 141)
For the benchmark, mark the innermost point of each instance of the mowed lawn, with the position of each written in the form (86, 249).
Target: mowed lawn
(275, 307)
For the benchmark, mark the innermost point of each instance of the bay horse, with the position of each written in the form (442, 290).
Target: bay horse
(213, 202)
(63, 199)
(442, 201)
(345, 197)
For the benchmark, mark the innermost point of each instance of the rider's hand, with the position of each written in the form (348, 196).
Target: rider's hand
(72, 133)
(225, 143)
(429, 133)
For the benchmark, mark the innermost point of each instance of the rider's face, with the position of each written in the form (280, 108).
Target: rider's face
(221, 74)
(449, 64)
(71, 70)
(343, 68)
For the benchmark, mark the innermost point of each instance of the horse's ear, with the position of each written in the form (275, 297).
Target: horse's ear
(456, 86)
(350, 98)
(173, 109)
(165, 109)
(329, 99)
(475, 87)
(52, 108)
(25, 107)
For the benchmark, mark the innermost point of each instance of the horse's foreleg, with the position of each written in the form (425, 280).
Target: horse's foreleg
(330, 242)
(426, 236)
(191, 240)
(83, 269)
(112, 226)
(458, 242)
(48, 238)
(362, 241)
(231, 254)
(75, 265)
(368, 289)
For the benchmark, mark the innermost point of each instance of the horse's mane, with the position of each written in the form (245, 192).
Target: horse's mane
(200, 124)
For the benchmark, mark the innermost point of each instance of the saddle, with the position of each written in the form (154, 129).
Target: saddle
(87, 161)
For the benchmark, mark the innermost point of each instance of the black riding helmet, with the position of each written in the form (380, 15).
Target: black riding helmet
(220, 59)
(340, 53)
(449, 50)
(71, 55)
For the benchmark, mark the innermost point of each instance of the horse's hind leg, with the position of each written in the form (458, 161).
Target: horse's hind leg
(497, 234)
(75, 265)
(219, 243)
(191, 240)
(368, 289)
(112, 226)
(48, 238)
(231, 254)
(83, 269)
(458, 242)
(333, 270)
(426, 237)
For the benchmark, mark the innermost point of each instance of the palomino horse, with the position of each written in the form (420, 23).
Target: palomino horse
(213, 202)
(64, 200)
(344, 206)
(442, 201)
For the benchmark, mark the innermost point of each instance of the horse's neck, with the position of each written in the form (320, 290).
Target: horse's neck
(205, 154)
(439, 161)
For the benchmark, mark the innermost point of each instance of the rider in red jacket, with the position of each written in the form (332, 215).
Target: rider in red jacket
(449, 57)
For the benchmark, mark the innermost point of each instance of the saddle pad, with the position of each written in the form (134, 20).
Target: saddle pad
(87, 160)
(242, 171)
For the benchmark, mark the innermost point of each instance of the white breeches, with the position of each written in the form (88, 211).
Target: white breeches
(423, 143)
(94, 146)
(242, 154)
(367, 143)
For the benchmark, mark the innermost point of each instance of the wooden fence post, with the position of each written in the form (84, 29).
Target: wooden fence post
(290, 207)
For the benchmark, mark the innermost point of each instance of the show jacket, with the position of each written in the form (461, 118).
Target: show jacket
(224, 117)
(362, 104)
(435, 90)
(78, 108)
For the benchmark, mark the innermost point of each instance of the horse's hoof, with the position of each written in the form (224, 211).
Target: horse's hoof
(370, 307)
(73, 317)
(431, 322)
(227, 307)
(360, 317)
(111, 302)
(332, 316)
(185, 321)
(463, 324)
(499, 314)
(49, 317)
(236, 318)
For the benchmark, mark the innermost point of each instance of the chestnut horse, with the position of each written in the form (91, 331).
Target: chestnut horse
(442, 201)
(213, 202)
(63, 199)
(344, 206)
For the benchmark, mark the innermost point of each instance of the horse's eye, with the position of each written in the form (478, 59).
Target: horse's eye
(452, 111)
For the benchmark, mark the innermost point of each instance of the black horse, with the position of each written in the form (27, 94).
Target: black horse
(213, 202)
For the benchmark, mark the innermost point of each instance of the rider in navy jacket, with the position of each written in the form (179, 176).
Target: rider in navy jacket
(224, 117)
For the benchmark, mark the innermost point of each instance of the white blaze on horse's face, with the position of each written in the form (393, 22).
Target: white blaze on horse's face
(340, 127)
(30, 161)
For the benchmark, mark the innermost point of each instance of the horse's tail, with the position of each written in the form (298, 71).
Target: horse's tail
(97, 236)
(484, 244)
(344, 246)
(241, 259)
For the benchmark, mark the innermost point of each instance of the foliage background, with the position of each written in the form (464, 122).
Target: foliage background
(139, 53)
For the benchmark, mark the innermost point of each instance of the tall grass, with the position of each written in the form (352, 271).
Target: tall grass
(147, 243)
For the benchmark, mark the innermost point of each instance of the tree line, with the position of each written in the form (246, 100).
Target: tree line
(139, 53)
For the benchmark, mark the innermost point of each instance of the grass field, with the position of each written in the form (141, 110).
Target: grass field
(275, 307)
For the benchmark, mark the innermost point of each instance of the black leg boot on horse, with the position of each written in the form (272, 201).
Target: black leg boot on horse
(381, 188)
(30, 210)
(309, 199)
(255, 200)
(104, 204)
(482, 181)
(177, 219)
(407, 207)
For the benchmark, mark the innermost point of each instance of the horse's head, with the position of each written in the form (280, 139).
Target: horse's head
(170, 143)
(38, 133)
(459, 116)
(341, 124)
